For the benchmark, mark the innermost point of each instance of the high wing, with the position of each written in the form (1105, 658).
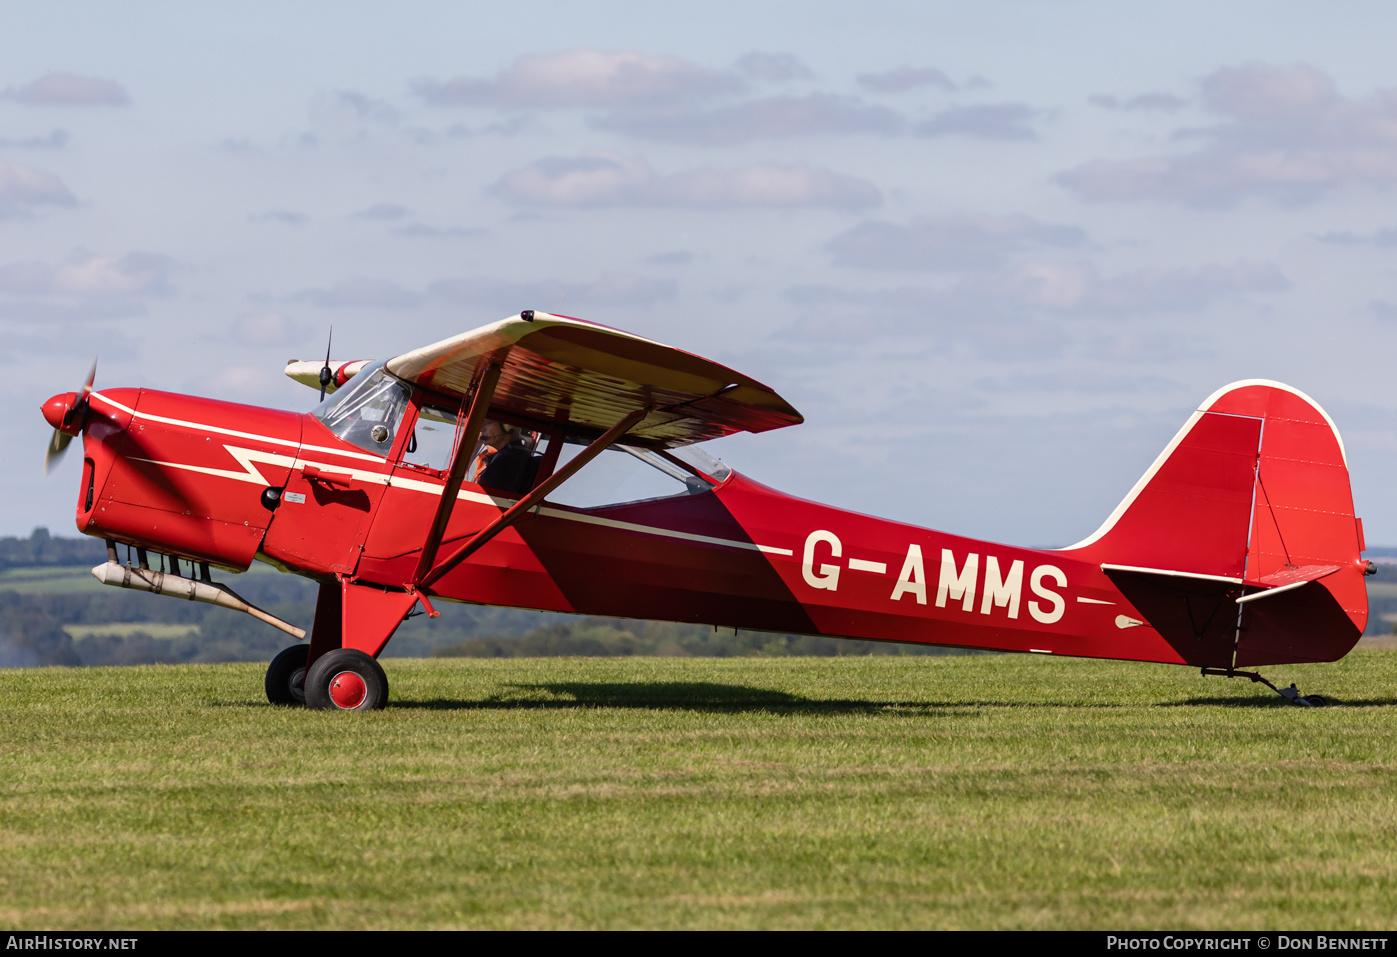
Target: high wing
(561, 370)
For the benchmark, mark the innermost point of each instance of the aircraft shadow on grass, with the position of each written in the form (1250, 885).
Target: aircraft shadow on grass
(665, 695)
(1271, 701)
(711, 697)
(723, 698)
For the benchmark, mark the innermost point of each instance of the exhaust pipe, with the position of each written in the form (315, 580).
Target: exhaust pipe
(161, 583)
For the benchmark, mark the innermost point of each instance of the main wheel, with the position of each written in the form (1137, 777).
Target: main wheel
(1317, 701)
(346, 680)
(286, 676)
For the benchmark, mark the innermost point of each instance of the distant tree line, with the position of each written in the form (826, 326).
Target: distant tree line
(42, 549)
(32, 624)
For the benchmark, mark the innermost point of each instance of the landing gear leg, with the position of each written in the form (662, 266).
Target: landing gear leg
(1291, 694)
(352, 624)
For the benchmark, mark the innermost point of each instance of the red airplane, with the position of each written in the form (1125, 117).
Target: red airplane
(447, 473)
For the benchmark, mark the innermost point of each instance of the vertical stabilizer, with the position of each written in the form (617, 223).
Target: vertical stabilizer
(1254, 488)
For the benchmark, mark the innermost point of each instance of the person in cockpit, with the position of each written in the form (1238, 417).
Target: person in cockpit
(505, 462)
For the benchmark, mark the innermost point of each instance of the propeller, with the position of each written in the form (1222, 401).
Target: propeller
(327, 375)
(71, 418)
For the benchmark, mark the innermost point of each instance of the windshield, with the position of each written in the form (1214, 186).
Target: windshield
(367, 411)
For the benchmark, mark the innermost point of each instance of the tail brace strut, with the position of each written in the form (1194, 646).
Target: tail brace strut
(1291, 694)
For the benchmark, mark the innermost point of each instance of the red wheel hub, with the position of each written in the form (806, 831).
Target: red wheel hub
(348, 690)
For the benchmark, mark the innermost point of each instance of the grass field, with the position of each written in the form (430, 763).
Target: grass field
(156, 629)
(975, 792)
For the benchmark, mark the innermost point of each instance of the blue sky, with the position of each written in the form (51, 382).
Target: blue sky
(994, 252)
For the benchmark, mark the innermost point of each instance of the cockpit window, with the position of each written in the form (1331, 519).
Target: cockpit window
(624, 474)
(433, 440)
(367, 411)
(701, 462)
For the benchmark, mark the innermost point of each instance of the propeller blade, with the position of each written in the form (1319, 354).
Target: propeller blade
(57, 446)
(326, 374)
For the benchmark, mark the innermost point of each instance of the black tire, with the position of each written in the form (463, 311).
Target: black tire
(1317, 701)
(346, 680)
(286, 676)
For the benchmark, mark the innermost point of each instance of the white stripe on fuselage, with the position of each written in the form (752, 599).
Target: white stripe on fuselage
(216, 430)
(250, 474)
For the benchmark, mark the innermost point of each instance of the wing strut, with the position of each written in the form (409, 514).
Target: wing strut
(475, 420)
(521, 507)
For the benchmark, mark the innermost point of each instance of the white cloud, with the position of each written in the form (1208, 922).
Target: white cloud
(78, 298)
(607, 180)
(345, 113)
(24, 186)
(905, 78)
(1144, 103)
(66, 89)
(384, 212)
(582, 78)
(946, 242)
(1382, 237)
(1383, 310)
(598, 180)
(363, 107)
(816, 114)
(1080, 289)
(988, 121)
(1285, 132)
(56, 140)
(772, 67)
(767, 185)
(285, 217)
(98, 276)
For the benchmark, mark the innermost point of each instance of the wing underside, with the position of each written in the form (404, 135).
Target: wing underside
(588, 377)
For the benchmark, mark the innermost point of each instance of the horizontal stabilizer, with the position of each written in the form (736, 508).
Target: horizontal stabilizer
(1170, 573)
(1288, 580)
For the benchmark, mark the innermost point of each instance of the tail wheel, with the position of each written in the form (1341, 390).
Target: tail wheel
(346, 680)
(286, 676)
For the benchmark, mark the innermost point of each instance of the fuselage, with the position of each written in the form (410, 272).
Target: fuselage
(189, 477)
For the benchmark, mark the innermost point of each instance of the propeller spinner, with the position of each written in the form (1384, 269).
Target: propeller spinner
(66, 413)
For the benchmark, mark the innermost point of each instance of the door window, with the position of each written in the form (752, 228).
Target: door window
(433, 439)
